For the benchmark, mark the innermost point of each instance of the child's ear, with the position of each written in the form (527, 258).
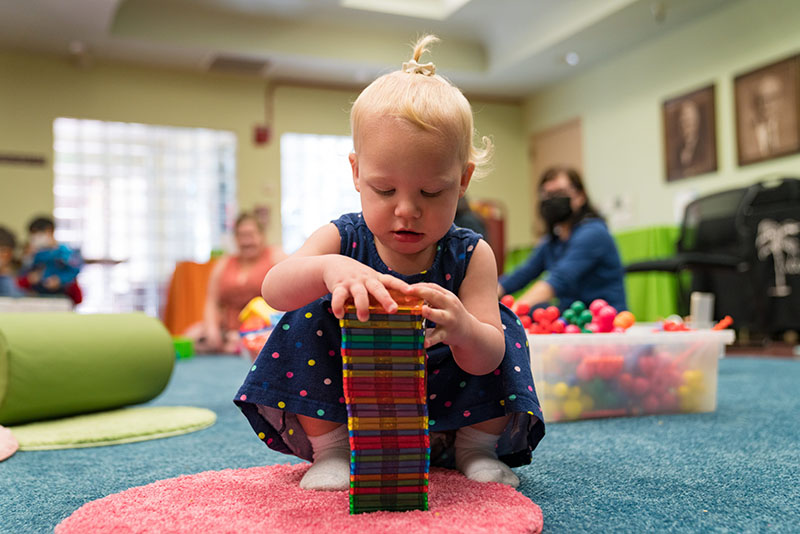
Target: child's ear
(353, 157)
(466, 176)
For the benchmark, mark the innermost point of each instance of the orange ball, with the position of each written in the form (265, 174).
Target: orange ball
(624, 319)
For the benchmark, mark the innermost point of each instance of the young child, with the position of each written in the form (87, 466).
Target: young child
(413, 159)
(8, 264)
(52, 267)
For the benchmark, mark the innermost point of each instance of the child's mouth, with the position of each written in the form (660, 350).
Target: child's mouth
(407, 236)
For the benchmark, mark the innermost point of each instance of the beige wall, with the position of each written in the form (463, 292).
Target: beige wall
(619, 103)
(36, 89)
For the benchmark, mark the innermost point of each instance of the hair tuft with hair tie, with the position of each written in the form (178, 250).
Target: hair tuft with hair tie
(412, 67)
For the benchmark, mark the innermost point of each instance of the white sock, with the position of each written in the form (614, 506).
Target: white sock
(476, 458)
(331, 468)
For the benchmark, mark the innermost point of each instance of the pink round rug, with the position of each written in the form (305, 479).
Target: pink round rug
(269, 499)
(8, 443)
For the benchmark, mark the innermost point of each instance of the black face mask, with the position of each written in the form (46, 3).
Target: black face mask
(555, 210)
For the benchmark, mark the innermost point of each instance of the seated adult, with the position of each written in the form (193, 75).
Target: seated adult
(234, 281)
(578, 254)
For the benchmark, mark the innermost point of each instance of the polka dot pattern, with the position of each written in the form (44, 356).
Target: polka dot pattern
(300, 369)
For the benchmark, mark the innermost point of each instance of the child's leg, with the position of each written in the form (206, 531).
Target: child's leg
(331, 467)
(476, 456)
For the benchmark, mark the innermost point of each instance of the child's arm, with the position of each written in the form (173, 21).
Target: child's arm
(211, 311)
(317, 269)
(470, 322)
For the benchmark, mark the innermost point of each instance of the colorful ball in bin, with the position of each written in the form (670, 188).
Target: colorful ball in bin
(624, 320)
(597, 305)
(577, 307)
(572, 408)
(560, 390)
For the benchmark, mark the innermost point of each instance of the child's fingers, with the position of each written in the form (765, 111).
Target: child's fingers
(433, 294)
(381, 294)
(361, 301)
(434, 336)
(436, 315)
(392, 282)
(338, 298)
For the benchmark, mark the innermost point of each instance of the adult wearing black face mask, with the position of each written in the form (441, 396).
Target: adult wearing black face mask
(578, 254)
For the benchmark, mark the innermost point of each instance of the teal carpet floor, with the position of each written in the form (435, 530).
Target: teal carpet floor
(735, 470)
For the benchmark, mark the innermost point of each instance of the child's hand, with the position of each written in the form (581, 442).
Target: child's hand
(445, 309)
(347, 278)
(34, 277)
(52, 283)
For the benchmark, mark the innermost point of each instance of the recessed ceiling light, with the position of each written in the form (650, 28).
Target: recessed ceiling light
(572, 58)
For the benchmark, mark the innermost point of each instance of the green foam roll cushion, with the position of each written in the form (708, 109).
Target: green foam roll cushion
(57, 364)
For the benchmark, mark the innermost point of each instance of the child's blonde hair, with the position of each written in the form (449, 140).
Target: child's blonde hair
(417, 94)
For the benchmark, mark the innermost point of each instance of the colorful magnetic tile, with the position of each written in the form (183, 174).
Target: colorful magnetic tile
(383, 362)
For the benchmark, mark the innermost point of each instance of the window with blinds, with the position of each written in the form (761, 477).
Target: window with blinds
(136, 199)
(316, 184)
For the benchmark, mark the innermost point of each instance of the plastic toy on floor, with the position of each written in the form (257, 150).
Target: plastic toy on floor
(257, 319)
(387, 412)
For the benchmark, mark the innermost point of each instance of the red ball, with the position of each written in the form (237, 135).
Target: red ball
(625, 382)
(526, 321)
(557, 327)
(596, 305)
(605, 315)
(572, 329)
(647, 365)
(552, 313)
(640, 386)
(508, 300)
(584, 371)
(523, 309)
(538, 315)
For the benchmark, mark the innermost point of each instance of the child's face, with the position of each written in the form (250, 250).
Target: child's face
(40, 240)
(6, 255)
(410, 181)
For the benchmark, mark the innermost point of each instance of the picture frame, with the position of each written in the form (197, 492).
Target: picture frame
(767, 102)
(690, 134)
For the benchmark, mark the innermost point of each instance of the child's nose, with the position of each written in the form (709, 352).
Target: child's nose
(406, 208)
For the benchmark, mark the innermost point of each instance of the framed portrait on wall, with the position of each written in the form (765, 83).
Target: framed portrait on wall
(768, 111)
(690, 135)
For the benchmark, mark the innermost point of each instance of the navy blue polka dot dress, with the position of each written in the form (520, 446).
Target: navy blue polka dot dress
(299, 370)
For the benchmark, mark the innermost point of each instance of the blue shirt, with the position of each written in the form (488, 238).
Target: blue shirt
(585, 267)
(60, 261)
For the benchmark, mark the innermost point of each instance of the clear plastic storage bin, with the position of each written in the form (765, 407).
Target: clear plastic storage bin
(639, 372)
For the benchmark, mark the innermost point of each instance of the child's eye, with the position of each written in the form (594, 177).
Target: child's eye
(430, 194)
(384, 192)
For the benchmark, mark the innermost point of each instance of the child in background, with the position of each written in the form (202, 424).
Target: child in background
(8, 264)
(413, 159)
(51, 268)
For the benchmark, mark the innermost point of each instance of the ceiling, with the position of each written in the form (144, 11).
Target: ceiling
(493, 48)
